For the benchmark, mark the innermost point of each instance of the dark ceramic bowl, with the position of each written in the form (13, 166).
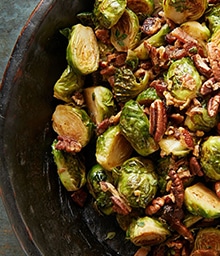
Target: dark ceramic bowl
(45, 219)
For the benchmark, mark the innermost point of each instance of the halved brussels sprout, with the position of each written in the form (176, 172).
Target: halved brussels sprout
(208, 239)
(210, 157)
(180, 11)
(70, 168)
(108, 12)
(183, 81)
(141, 7)
(100, 103)
(112, 149)
(134, 125)
(67, 84)
(73, 123)
(125, 33)
(201, 201)
(158, 39)
(212, 16)
(198, 119)
(82, 51)
(137, 181)
(127, 86)
(102, 199)
(147, 96)
(147, 231)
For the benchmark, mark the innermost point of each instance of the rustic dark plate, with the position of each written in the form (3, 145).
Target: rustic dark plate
(44, 218)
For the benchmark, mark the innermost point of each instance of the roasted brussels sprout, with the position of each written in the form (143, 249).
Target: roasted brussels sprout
(73, 123)
(108, 12)
(67, 84)
(147, 96)
(183, 82)
(112, 149)
(102, 199)
(176, 144)
(125, 33)
(82, 51)
(201, 201)
(147, 231)
(100, 103)
(134, 125)
(212, 16)
(180, 11)
(137, 181)
(210, 157)
(207, 239)
(142, 8)
(127, 86)
(70, 168)
(158, 39)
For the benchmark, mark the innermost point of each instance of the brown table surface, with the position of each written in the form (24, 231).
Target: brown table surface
(13, 15)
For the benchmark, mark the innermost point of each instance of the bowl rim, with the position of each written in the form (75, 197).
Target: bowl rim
(18, 224)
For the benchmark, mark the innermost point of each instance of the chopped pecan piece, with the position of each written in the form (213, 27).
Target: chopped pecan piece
(209, 86)
(213, 105)
(214, 58)
(151, 25)
(158, 120)
(202, 65)
(103, 35)
(195, 167)
(68, 144)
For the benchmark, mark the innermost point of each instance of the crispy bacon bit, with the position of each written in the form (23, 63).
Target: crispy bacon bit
(79, 197)
(68, 144)
(103, 35)
(202, 65)
(158, 120)
(217, 188)
(214, 58)
(213, 105)
(151, 25)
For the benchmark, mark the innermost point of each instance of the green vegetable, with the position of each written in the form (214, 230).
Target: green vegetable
(67, 84)
(158, 39)
(99, 102)
(147, 231)
(201, 201)
(127, 86)
(147, 96)
(112, 149)
(73, 123)
(82, 51)
(210, 157)
(134, 125)
(212, 16)
(180, 11)
(137, 181)
(102, 199)
(142, 8)
(125, 33)
(70, 168)
(108, 12)
(183, 82)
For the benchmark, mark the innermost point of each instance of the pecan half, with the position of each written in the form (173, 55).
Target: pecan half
(213, 105)
(158, 119)
(195, 167)
(68, 144)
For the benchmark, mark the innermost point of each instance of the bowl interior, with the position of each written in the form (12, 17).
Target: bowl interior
(42, 213)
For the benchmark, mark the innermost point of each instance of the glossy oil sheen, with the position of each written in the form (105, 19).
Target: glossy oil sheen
(42, 213)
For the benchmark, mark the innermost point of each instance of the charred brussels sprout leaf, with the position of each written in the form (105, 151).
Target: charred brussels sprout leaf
(210, 157)
(100, 103)
(212, 16)
(207, 238)
(127, 86)
(201, 201)
(180, 11)
(147, 231)
(108, 12)
(70, 168)
(68, 83)
(147, 96)
(73, 123)
(112, 149)
(183, 82)
(137, 181)
(82, 50)
(102, 199)
(125, 33)
(134, 125)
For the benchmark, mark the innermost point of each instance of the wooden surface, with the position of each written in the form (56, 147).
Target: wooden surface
(13, 15)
